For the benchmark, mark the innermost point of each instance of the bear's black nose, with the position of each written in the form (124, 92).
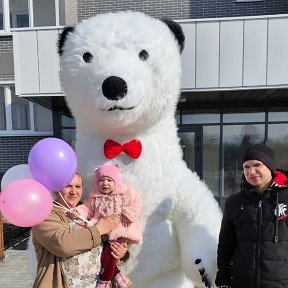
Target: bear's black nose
(114, 88)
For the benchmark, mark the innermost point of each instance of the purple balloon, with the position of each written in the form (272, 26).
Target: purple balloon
(25, 202)
(53, 163)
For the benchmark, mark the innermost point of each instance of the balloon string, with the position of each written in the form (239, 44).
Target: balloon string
(57, 204)
(65, 202)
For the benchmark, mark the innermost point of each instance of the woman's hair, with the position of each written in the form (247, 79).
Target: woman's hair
(79, 174)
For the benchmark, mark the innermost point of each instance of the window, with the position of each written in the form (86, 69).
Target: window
(220, 146)
(21, 20)
(196, 117)
(20, 116)
(277, 140)
(211, 144)
(236, 139)
(68, 127)
(44, 13)
(31, 13)
(42, 118)
(1, 21)
(249, 0)
(20, 110)
(1, 15)
(2, 110)
(19, 13)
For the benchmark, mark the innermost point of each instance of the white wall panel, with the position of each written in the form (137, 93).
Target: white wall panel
(277, 68)
(48, 61)
(207, 54)
(26, 62)
(219, 54)
(231, 53)
(188, 57)
(255, 52)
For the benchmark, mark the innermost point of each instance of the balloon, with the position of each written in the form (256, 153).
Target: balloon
(17, 172)
(25, 202)
(53, 163)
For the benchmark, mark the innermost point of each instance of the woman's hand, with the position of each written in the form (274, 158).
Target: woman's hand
(105, 225)
(72, 214)
(119, 249)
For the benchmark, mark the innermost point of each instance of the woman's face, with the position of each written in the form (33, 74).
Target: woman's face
(72, 192)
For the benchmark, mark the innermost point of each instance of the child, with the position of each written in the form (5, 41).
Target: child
(112, 197)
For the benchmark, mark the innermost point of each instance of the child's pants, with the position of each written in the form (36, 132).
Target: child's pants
(109, 268)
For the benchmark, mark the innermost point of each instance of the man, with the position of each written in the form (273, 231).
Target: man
(253, 240)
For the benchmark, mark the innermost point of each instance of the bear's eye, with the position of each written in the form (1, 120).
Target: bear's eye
(87, 57)
(143, 55)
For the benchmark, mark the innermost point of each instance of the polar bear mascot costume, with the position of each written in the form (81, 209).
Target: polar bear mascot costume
(121, 77)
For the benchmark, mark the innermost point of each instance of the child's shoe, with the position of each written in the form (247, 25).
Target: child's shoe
(122, 281)
(103, 284)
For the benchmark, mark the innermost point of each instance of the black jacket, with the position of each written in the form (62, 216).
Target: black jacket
(253, 242)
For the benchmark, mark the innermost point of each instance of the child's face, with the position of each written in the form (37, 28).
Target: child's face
(106, 185)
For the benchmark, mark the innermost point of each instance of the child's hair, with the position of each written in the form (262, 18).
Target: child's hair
(111, 171)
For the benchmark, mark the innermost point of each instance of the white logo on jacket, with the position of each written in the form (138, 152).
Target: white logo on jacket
(282, 208)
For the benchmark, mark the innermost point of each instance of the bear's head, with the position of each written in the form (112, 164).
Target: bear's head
(121, 71)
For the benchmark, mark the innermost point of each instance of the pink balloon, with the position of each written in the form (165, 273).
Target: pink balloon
(53, 163)
(25, 202)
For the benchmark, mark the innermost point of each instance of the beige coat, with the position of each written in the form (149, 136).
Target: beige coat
(53, 240)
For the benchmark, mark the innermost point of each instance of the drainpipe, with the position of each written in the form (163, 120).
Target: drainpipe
(6, 16)
(2, 256)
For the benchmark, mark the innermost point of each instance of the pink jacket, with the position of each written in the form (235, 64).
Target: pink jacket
(125, 202)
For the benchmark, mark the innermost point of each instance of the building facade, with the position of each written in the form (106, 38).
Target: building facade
(234, 85)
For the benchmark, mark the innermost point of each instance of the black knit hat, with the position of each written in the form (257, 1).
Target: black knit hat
(261, 153)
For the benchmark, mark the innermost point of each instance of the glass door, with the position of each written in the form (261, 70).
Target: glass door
(200, 145)
(191, 143)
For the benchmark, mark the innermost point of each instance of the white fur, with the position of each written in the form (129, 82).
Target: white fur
(180, 217)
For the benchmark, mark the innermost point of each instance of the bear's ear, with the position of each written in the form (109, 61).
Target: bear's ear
(177, 31)
(62, 38)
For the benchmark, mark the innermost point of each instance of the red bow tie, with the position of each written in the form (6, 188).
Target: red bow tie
(133, 148)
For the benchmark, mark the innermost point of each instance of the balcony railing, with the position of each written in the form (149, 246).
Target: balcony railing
(219, 54)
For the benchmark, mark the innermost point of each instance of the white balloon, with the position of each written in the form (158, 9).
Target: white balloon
(17, 172)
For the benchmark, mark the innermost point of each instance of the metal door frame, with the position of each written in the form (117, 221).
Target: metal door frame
(198, 130)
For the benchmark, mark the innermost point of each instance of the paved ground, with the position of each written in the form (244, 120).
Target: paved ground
(13, 272)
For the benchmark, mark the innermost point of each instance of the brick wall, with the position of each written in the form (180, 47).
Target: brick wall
(5, 78)
(15, 150)
(6, 44)
(184, 9)
(71, 13)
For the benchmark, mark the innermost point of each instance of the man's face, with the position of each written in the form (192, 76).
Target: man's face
(257, 174)
(71, 192)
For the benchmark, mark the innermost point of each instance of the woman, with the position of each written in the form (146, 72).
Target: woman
(68, 254)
